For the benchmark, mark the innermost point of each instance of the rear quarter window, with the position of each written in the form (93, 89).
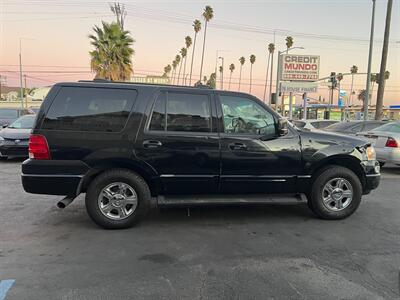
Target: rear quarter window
(90, 109)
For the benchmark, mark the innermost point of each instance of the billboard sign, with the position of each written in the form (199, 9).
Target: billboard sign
(299, 67)
(299, 87)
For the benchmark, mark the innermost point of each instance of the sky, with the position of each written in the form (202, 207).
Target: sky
(55, 44)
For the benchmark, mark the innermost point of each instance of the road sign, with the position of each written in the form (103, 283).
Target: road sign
(299, 67)
(299, 87)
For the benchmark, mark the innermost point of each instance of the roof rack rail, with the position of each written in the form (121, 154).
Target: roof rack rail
(201, 86)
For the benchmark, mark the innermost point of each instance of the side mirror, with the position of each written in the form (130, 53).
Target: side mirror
(4, 125)
(282, 126)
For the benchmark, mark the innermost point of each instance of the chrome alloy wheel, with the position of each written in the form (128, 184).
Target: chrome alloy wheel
(337, 194)
(117, 201)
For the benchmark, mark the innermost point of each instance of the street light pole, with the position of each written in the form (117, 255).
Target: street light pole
(371, 44)
(20, 75)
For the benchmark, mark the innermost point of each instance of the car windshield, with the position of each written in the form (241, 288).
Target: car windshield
(25, 122)
(8, 113)
(390, 127)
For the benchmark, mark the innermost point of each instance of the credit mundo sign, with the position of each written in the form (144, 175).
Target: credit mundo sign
(299, 67)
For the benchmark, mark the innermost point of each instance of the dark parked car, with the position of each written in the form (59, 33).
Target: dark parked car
(353, 127)
(9, 115)
(132, 146)
(15, 138)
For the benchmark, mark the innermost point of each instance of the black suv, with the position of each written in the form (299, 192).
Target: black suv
(132, 146)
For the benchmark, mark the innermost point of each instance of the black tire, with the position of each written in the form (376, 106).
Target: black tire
(117, 175)
(316, 201)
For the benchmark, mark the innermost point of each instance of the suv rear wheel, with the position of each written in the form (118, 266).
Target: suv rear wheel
(336, 193)
(117, 199)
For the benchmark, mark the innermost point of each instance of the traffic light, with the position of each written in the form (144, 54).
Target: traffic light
(333, 80)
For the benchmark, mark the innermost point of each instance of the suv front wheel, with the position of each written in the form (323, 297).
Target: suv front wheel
(117, 199)
(336, 193)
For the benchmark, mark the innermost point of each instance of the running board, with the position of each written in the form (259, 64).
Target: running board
(230, 199)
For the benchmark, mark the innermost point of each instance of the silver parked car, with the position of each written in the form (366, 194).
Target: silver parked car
(313, 124)
(387, 142)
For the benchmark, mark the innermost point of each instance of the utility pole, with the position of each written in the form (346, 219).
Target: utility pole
(290, 105)
(20, 75)
(371, 45)
(25, 93)
(381, 83)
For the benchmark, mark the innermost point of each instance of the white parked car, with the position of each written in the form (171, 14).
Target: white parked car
(313, 124)
(386, 139)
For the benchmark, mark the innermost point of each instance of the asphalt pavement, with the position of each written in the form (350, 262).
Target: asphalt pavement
(267, 252)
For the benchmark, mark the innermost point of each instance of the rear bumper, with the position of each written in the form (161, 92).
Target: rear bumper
(388, 155)
(53, 177)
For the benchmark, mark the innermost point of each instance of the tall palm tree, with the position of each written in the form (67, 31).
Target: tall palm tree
(178, 60)
(353, 71)
(208, 14)
(289, 42)
(231, 68)
(271, 49)
(196, 27)
(112, 57)
(252, 61)
(183, 54)
(266, 75)
(174, 65)
(167, 70)
(188, 43)
(362, 95)
(242, 60)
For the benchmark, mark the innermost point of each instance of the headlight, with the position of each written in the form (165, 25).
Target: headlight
(370, 153)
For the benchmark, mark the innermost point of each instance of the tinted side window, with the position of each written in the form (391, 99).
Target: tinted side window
(243, 115)
(185, 112)
(90, 109)
(188, 112)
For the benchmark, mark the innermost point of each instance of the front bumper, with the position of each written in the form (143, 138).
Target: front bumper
(372, 175)
(14, 151)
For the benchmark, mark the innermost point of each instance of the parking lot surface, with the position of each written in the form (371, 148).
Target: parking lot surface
(268, 252)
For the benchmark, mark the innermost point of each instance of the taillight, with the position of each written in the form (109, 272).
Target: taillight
(392, 143)
(38, 147)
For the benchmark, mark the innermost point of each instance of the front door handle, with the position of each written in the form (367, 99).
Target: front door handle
(237, 146)
(151, 144)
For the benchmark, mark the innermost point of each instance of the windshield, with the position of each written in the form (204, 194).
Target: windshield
(25, 122)
(8, 113)
(391, 127)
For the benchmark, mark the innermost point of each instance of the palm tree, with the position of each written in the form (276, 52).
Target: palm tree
(183, 53)
(208, 14)
(231, 68)
(353, 70)
(266, 75)
(167, 70)
(271, 49)
(252, 61)
(112, 57)
(242, 60)
(174, 65)
(289, 42)
(212, 81)
(362, 95)
(221, 72)
(178, 60)
(188, 43)
(197, 27)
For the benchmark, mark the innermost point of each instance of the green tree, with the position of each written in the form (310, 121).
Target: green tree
(188, 43)
(111, 58)
(271, 49)
(178, 61)
(289, 42)
(211, 82)
(208, 14)
(231, 68)
(183, 54)
(242, 60)
(196, 27)
(353, 71)
(252, 61)
(167, 70)
(174, 65)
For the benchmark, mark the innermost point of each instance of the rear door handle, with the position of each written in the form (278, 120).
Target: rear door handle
(237, 146)
(151, 144)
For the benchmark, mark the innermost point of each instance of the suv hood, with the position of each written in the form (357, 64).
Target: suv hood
(332, 138)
